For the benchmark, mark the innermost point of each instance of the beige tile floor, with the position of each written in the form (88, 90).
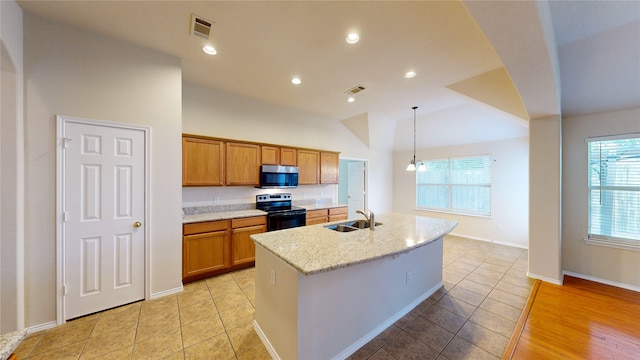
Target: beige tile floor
(471, 317)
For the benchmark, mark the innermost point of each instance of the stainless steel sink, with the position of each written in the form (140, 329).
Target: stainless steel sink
(350, 225)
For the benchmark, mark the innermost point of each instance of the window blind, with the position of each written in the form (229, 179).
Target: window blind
(458, 185)
(614, 187)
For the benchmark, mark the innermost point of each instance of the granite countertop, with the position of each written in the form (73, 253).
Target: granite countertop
(9, 342)
(320, 206)
(221, 215)
(314, 249)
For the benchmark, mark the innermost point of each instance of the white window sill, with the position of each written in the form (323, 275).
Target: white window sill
(615, 243)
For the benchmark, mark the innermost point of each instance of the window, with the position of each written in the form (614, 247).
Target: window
(458, 185)
(614, 189)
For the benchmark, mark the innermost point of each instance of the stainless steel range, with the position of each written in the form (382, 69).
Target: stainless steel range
(280, 213)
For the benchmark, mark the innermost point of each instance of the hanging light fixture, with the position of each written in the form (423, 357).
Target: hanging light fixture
(412, 164)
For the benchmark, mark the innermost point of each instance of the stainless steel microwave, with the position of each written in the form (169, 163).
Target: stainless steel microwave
(278, 177)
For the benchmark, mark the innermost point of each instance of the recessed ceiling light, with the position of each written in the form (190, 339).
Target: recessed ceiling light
(208, 49)
(410, 74)
(351, 99)
(296, 81)
(353, 38)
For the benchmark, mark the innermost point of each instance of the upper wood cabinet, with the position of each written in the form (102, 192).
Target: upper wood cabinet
(308, 167)
(202, 162)
(243, 164)
(288, 157)
(329, 166)
(270, 155)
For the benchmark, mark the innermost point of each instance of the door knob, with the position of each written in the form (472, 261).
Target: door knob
(137, 224)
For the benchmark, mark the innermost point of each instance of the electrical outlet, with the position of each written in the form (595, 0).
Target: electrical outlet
(273, 277)
(409, 278)
(499, 227)
(216, 199)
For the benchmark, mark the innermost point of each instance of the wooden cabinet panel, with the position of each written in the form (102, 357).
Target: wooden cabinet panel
(329, 167)
(339, 213)
(270, 155)
(243, 164)
(308, 167)
(243, 249)
(288, 157)
(317, 217)
(202, 162)
(206, 252)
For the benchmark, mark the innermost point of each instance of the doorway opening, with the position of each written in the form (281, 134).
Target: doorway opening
(352, 186)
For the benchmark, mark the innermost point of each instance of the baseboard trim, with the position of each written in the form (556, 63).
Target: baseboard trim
(488, 240)
(602, 281)
(41, 327)
(164, 293)
(544, 278)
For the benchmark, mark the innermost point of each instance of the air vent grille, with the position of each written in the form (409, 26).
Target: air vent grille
(355, 90)
(200, 27)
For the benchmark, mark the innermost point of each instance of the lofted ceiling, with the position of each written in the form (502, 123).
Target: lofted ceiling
(461, 81)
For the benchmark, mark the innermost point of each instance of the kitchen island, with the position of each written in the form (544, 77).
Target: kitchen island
(322, 294)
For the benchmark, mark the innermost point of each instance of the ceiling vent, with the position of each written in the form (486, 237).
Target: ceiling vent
(200, 27)
(354, 90)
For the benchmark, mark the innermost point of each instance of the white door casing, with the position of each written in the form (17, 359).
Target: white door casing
(102, 204)
(356, 188)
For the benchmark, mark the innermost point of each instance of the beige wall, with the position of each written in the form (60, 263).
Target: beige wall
(214, 113)
(545, 148)
(11, 169)
(616, 266)
(509, 191)
(76, 73)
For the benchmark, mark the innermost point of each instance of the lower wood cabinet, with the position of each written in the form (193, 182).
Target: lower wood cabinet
(327, 215)
(317, 216)
(215, 247)
(339, 213)
(243, 249)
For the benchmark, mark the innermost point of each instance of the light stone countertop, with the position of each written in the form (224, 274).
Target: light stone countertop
(320, 206)
(221, 215)
(9, 342)
(315, 249)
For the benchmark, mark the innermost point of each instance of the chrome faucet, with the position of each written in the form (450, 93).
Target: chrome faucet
(371, 218)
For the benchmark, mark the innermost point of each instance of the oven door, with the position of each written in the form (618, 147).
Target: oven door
(285, 220)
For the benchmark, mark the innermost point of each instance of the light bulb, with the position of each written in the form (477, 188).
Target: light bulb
(353, 38)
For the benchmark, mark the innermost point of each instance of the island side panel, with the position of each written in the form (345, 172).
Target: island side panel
(341, 310)
(276, 314)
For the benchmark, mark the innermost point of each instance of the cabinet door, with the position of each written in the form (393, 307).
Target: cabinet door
(270, 155)
(317, 217)
(206, 252)
(308, 167)
(202, 162)
(288, 157)
(243, 164)
(339, 213)
(329, 165)
(243, 250)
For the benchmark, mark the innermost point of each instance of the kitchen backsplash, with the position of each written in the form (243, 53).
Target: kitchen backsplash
(193, 210)
(239, 195)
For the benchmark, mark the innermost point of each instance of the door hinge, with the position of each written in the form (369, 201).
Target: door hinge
(65, 142)
(64, 289)
(64, 216)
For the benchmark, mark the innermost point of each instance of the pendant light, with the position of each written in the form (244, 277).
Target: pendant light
(412, 164)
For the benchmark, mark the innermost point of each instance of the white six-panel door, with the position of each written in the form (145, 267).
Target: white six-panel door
(356, 190)
(103, 214)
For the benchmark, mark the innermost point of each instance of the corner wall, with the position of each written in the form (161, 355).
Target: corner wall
(509, 191)
(69, 71)
(545, 176)
(604, 264)
(11, 168)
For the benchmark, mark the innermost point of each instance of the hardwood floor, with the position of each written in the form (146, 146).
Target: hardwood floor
(579, 320)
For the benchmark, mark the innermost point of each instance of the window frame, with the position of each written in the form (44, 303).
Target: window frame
(450, 186)
(600, 239)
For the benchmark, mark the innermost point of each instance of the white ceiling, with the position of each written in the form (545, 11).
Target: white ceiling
(262, 44)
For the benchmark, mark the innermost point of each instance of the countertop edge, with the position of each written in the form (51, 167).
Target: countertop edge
(222, 215)
(10, 341)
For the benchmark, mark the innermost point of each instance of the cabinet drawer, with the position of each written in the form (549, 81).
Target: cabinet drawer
(203, 227)
(338, 211)
(250, 221)
(316, 213)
